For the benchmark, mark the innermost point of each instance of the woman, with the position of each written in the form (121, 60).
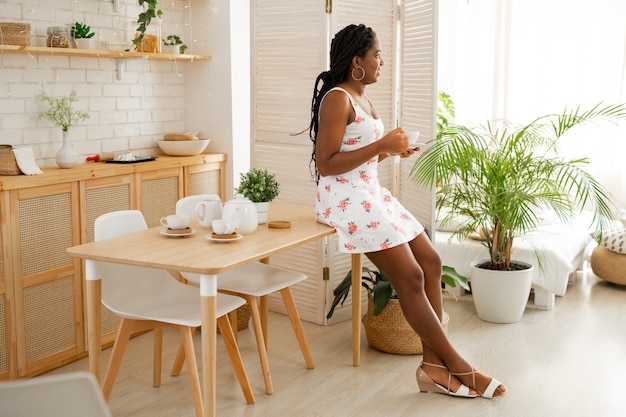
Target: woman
(348, 144)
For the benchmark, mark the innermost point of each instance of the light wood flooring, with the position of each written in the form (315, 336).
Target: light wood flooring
(570, 361)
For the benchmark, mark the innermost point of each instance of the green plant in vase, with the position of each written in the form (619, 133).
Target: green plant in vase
(82, 35)
(174, 41)
(260, 187)
(61, 113)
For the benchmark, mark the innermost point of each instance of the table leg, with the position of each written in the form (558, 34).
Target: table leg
(208, 300)
(264, 308)
(357, 263)
(94, 319)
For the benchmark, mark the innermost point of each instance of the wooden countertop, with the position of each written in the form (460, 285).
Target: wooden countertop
(101, 169)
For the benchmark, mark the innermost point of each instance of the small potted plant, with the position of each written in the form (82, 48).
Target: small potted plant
(385, 326)
(173, 44)
(61, 113)
(260, 187)
(82, 35)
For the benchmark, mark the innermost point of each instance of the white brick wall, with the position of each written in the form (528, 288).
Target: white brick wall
(128, 114)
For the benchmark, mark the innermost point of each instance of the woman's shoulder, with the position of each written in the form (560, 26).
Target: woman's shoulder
(338, 91)
(337, 96)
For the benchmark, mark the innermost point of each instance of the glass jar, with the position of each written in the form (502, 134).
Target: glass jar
(151, 41)
(58, 37)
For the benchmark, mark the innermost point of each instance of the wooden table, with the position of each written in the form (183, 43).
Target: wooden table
(195, 254)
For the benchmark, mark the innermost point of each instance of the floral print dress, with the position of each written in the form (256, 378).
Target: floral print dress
(366, 216)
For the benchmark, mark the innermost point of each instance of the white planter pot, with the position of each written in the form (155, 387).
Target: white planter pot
(262, 210)
(83, 43)
(171, 49)
(500, 296)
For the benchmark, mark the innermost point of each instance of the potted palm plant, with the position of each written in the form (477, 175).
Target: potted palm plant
(386, 329)
(260, 187)
(498, 178)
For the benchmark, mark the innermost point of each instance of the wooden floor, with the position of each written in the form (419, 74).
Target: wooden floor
(570, 361)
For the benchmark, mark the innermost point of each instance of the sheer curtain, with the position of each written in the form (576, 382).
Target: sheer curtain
(522, 59)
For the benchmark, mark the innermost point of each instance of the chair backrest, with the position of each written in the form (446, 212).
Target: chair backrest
(75, 394)
(118, 223)
(125, 286)
(187, 205)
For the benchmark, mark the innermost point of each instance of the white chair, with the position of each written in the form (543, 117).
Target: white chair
(187, 205)
(258, 280)
(75, 394)
(150, 299)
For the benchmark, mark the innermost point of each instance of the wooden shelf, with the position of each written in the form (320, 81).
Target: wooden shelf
(93, 53)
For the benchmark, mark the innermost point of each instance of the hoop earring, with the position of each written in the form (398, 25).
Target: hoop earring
(362, 75)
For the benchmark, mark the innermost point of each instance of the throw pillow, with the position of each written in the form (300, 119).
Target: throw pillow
(613, 240)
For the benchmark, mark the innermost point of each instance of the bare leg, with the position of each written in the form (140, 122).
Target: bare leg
(415, 272)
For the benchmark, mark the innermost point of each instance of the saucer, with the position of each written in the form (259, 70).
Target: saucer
(164, 232)
(230, 239)
(416, 144)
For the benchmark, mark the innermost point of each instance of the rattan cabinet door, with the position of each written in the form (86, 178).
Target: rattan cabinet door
(159, 191)
(100, 196)
(205, 179)
(5, 261)
(48, 294)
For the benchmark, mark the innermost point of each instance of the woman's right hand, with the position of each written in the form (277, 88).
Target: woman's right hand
(395, 142)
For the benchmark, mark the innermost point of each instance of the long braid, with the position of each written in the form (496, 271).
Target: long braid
(351, 41)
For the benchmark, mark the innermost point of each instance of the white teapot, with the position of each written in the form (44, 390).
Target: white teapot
(209, 209)
(243, 213)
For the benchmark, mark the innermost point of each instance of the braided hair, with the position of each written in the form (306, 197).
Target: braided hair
(351, 41)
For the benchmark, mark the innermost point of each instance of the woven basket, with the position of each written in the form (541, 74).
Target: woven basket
(8, 165)
(15, 34)
(243, 317)
(390, 332)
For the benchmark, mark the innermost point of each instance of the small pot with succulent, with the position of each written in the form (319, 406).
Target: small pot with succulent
(82, 35)
(260, 187)
(61, 113)
(173, 44)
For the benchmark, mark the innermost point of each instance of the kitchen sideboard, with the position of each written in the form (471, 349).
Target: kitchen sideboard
(42, 307)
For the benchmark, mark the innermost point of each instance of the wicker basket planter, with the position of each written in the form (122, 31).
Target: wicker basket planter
(390, 332)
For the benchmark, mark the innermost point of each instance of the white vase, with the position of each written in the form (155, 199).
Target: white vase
(66, 157)
(262, 210)
(500, 296)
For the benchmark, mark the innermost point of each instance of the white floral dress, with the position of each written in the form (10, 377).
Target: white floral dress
(366, 216)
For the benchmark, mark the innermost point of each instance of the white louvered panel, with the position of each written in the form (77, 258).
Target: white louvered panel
(418, 97)
(380, 16)
(290, 164)
(288, 52)
(309, 294)
(290, 48)
(288, 45)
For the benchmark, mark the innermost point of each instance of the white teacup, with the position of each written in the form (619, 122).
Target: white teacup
(176, 221)
(223, 226)
(413, 136)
